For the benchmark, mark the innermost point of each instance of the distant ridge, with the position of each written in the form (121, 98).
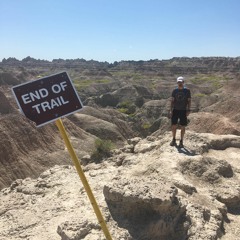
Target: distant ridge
(201, 63)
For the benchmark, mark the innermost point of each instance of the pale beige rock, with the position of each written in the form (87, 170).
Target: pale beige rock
(155, 192)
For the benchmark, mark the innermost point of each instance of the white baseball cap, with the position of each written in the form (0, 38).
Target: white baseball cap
(180, 79)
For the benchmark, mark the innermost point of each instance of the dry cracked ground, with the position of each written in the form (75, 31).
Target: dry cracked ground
(146, 190)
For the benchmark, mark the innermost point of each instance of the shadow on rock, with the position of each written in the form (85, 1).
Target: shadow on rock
(186, 151)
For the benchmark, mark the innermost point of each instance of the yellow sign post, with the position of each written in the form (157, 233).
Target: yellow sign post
(83, 179)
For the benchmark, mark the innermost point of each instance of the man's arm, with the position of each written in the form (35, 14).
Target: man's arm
(188, 106)
(188, 102)
(171, 107)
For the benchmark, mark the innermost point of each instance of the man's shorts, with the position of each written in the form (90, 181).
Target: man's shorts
(179, 114)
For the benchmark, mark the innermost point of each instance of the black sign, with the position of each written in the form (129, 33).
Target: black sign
(47, 99)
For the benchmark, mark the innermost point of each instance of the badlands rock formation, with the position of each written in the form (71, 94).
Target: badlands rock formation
(27, 151)
(146, 190)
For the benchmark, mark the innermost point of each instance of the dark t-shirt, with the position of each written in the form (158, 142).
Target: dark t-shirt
(181, 98)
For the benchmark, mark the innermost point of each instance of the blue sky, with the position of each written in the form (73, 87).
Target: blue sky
(110, 30)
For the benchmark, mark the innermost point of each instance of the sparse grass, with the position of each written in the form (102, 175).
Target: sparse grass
(122, 74)
(134, 76)
(82, 84)
(137, 77)
(200, 79)
(217, 84)
(213, 80)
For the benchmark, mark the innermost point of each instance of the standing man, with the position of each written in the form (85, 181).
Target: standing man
(180, 109)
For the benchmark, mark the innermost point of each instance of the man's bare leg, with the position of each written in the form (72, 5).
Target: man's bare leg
(182, 136)
(174, 131)
(182, 132)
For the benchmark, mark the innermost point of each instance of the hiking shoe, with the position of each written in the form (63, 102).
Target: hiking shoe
(181, 144)
(173, 142)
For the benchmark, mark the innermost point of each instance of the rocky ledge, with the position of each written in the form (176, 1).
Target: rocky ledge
(147, 190)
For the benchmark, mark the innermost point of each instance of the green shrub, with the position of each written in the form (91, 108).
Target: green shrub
(103, 149)
(146, 125)
(127, 107)
(123, 110)
(124, 104)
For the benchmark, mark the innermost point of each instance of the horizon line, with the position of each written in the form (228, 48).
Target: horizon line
(82, 59)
